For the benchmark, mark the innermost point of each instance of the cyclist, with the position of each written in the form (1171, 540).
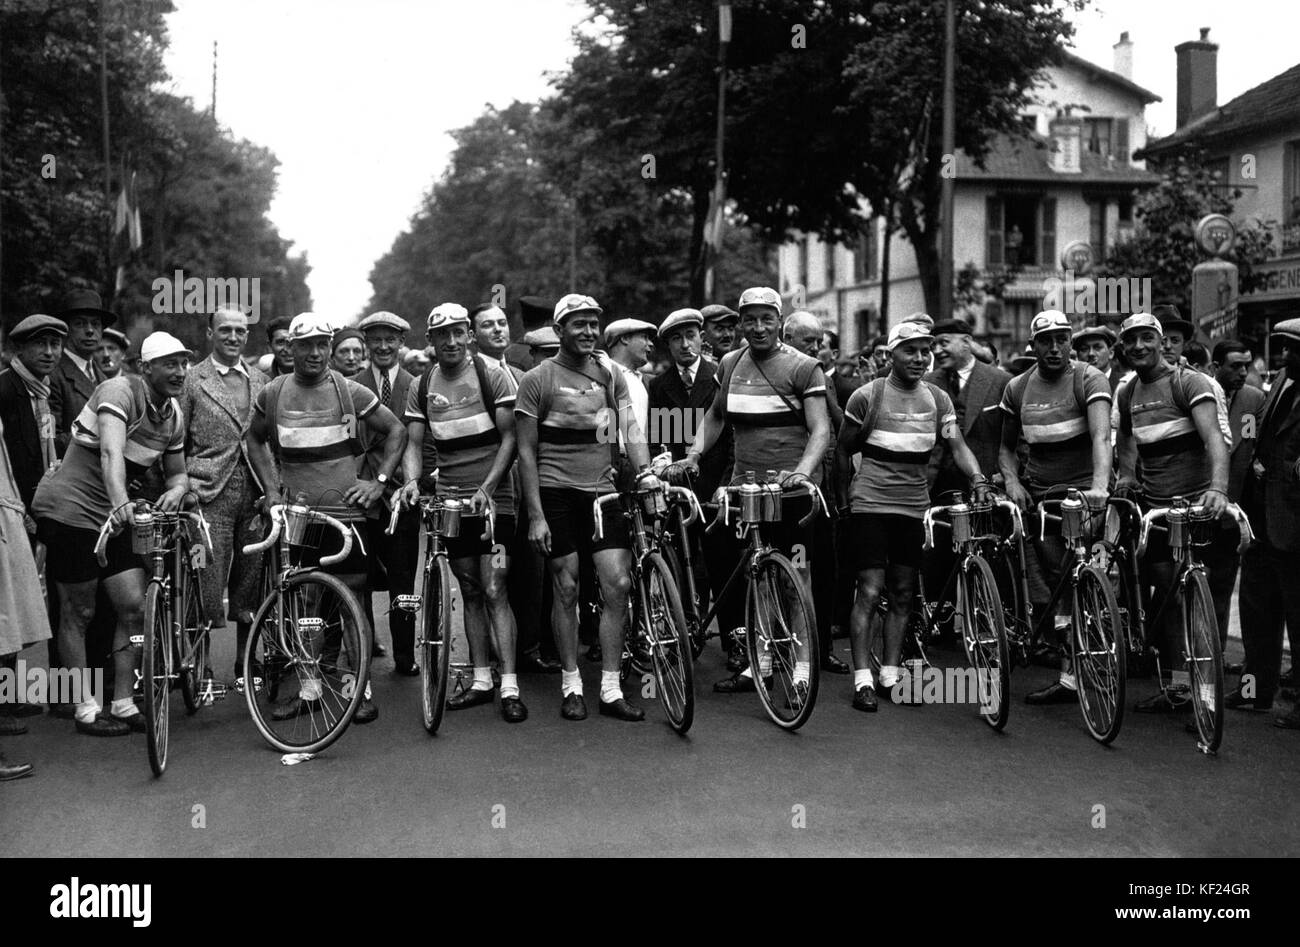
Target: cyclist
(466, 402)
(1063, 409)
(895, 423)
(305, 424)
(568, 456)
(129, 430)
(774, 400)
(1168, 418)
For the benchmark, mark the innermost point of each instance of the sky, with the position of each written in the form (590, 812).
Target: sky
(356, 99)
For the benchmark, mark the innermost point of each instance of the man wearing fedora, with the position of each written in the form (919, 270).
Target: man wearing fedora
(75, 376)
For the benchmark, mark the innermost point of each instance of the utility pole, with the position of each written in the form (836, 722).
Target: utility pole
(108, 166)
(949, 150)
(718, 201)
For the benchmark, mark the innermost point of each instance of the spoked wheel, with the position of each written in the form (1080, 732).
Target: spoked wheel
(693, 610)
(1098, 652)
(313, 644)
(980, 615)
(781, 637)
(194, 639)
(1204, 661)
(669, 645)
(156, 674)
(636, 661)
(435, 644)
(1016, 621)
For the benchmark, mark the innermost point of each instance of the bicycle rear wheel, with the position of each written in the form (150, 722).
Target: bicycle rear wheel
(1204, 660)
(781, 636)
(311, 639)
(156, 673)
(1098, 651)
(193, 639)
(669, 645)
(985, 638)
(1003, 561)
(435, 643)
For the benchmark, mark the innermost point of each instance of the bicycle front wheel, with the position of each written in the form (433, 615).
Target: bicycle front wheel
(312, 642)
(781, 636)
(985, 637)
(193, 638)
(1204, 660)
(670, 646)
(156, 673)
(1098, 647)
(435, 643)
(691, 606)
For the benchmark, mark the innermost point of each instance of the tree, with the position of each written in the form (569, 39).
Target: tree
(1163, 245)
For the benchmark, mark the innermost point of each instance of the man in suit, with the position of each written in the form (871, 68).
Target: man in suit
(719, 333)
(679, 398)
(1096, 346)
(217, 403)
(29, 424)
(393, 557)
(1270, 593)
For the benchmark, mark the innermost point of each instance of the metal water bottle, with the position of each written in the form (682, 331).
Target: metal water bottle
(772, 498)
(142, 535)
(751, 500)
(650, 489)
(960, 518)
(1072, 519)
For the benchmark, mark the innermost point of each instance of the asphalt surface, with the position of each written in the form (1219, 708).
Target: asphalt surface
(929, 780)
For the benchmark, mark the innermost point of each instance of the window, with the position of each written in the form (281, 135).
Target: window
(1291, 199)
(864, 255)
(1020, 230)
(1096, 136)
(1097, 229)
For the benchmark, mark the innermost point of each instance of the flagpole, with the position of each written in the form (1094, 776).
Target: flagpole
(949, 148)
(108, 166)
(713, 247)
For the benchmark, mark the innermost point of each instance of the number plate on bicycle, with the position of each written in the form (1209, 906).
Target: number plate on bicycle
(407, 603)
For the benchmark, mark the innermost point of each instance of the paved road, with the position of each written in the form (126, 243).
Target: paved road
(909, 780)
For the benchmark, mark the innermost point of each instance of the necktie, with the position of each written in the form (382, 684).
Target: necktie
(385, 390)
(687, 380)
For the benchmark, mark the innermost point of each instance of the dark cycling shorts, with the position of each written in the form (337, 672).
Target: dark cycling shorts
(70, 553)
(569, 515)
(877, 540)
(470, 542)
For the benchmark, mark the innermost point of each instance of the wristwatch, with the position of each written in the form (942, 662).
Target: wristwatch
(381, 479)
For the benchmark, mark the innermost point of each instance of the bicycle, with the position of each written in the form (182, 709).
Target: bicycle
(1188, 528)
(174, 641)
(679, 550)
(1096, 634)
(310, 632)
(780, 625)
(441, 517)
(656, 626)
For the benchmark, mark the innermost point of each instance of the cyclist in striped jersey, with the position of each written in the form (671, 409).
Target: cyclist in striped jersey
(1063, 409)
(894, 422)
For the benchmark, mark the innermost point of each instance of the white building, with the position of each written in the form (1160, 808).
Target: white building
(1070, 177)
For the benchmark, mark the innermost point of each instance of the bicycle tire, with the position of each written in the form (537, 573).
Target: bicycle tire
(670, 645)
(985, 638)
(156, 674)
(1016, 621)
(690, 609)
(1204, 660)
(435, 643)
(788, 709)
(193, 639)
(344, 664)
(1098, 656)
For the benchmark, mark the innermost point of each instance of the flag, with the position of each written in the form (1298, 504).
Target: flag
(714, 226)
(127, 234)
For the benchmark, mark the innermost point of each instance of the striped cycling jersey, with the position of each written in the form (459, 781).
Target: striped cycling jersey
(317, 436)
(906, 426)
(1174, 459)
(1053, 416)
(567, 397)
(465, 434)
(764, 406)
(75, 494)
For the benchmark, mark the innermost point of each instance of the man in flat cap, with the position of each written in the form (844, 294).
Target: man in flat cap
(217, 402)
(111, 354)
(719, 330)
(627, 343)
(1270, 592)
(1096, 346)
(29, 423)
(393, 566)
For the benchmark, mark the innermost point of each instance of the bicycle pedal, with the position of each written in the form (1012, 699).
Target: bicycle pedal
(407, 603)
(310, 623)
(211, 691)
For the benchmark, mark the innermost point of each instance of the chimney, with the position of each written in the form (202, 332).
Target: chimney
(1198, 81)
(1124, 56)
(1066, 133)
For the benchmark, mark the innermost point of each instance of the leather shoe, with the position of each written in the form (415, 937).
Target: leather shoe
(535, 662)
(573, 707)
(294, 707)
(104, 725)
(834, 665)
(736, 684)
(1237, 701)
(865, 699)
(737, 659)
(1289, 722)
(10, 771)
(1053, 693)
(513, 710)
(406, 670)
(367, 712)
(11, 726)
(469, 698)
(621, 709)
(136, 722)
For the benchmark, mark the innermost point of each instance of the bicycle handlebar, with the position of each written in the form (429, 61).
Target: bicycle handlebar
(929, 521)
(598, 514)
(692, 504)
(196, 517)
(277, 527)
(1237, 513)
(802, 485)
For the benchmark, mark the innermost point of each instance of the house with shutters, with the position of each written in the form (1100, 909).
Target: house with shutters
(1068, 177)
